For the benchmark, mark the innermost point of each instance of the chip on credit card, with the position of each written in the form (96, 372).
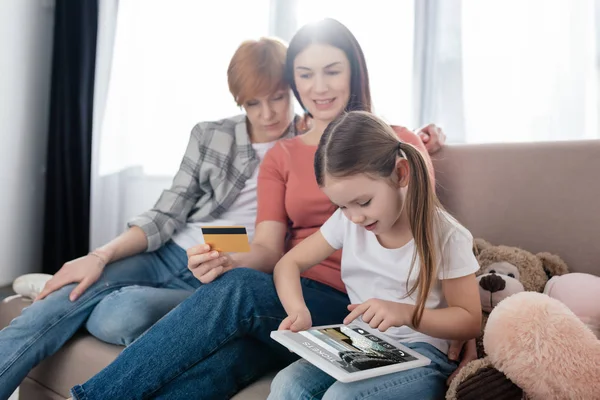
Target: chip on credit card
(226, 239)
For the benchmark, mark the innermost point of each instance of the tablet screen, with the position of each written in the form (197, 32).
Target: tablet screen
(352, 348)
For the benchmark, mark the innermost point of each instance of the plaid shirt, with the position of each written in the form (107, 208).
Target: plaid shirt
(218, 160)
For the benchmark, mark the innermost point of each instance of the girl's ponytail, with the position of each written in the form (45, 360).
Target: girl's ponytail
(422, 211)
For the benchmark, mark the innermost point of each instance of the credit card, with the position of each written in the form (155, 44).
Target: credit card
(227, 239)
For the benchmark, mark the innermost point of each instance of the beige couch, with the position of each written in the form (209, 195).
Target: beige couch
(542, 197)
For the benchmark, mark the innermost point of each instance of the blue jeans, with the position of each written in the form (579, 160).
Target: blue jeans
(44, 326)
(213, 344)
(123, 315)
(302, 380)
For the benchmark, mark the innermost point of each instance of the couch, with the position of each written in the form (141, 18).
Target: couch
(539, 196)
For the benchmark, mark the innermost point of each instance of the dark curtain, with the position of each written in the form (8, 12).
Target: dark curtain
(67, 205)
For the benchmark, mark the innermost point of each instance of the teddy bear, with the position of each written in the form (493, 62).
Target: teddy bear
(548, 344)
(504, 271)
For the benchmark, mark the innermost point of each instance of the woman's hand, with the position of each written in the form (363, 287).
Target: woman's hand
(207, 265)
(298, 320)
(83, 270)
(433, 137)
(381, 314)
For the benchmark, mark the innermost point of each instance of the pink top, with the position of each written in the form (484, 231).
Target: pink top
(288, 193)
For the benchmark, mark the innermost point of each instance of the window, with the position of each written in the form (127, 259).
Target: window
(168, 73)
(503, 70)
(529, 70)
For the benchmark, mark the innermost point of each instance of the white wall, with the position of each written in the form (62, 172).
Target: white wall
(26, 29)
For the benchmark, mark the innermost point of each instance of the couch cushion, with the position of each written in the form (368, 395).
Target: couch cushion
(257, 391)
(538, 196)
(31, 389)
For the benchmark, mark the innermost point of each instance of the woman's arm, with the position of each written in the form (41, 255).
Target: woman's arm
(131, 242)
(87, 269)
(272, 218)
(268, 244)
(172, 208)
(266, 248)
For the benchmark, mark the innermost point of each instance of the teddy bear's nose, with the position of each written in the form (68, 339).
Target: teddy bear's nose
(492, 283)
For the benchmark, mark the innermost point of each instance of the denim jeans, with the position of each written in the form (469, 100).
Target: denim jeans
(302, 380)
(44, 326)
(123, 315)
(213, 344)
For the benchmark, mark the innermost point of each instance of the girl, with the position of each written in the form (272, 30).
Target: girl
(407, 265)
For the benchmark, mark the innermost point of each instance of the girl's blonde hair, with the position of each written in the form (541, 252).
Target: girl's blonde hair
(358, 142)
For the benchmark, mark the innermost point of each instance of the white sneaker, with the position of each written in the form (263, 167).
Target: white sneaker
(30, 285)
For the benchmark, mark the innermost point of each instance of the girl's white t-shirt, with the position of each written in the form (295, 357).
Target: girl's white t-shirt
(370, 270)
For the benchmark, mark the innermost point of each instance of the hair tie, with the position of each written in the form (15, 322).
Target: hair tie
(400, 151)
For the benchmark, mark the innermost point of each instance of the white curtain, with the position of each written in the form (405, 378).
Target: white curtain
(510, 70)
(102, 208)
(438, 68)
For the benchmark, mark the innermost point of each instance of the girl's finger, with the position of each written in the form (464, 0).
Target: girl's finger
(358, 311)
(376, 321)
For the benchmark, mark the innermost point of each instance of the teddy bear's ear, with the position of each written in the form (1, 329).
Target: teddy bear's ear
(553, 264)
(479, 245)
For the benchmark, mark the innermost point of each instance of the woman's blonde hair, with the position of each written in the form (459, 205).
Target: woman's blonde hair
(357, 142)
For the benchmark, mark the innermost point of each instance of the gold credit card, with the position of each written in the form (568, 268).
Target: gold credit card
(226, 239)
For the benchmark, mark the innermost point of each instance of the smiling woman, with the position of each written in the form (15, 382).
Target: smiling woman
(390, 64)
(322, 75)
(327, 71)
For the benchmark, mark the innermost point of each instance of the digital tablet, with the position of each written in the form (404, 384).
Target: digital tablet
(350, 352)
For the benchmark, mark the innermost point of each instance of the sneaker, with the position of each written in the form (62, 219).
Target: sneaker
(30, 285)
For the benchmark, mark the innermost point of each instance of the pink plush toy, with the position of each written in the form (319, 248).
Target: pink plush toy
(542, 345)
(581, 293)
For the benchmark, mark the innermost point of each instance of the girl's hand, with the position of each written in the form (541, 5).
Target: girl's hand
(381, 314)
(297, 321)
(207, 265)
